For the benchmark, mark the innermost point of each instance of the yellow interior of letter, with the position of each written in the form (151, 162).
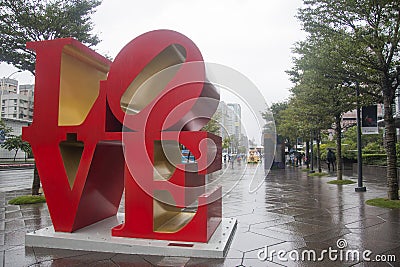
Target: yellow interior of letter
(168, 218)
(71, 152)
(79, 85)
(143, 90)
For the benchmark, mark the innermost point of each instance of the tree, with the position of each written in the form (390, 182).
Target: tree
(4, 131)
(26, 147)
(22, 21)
(321, 69)
(373, 26)
(283, 130)
(226, 143)
(213, 125)
(13, 143)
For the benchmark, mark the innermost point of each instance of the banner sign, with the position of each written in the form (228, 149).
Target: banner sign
(369, 120)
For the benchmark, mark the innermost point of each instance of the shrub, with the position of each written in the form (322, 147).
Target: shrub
(384, 203)
(374, 159)
(373, 148)
(23, 200)
(341, 182)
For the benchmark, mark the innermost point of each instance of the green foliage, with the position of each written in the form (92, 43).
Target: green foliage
(374, 159)
(22, 21)
(341, 182)
(371, 28)
(23, 200)
(4, 129)
(15, 143)
(370, 143)
(366, 36)
(384, 203)
(350, 136)
(374, 148)
(324, 149)
(226, 142)
(213, 125)
(398, 149)
(317, 174)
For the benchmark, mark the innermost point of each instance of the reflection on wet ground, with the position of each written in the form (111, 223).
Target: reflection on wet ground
(289, 212)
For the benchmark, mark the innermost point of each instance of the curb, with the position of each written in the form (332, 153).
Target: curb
(17, 166)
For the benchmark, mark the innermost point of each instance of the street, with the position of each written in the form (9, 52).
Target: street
(15, 179)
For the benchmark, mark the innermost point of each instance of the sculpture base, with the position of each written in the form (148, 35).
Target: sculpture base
(97, 237)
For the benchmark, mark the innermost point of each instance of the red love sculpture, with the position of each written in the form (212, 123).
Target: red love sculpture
(102, 126)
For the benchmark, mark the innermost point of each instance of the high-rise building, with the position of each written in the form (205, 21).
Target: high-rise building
(229, 117)
(9, 85)
(16, 110)
(16, 104)
(236, 119)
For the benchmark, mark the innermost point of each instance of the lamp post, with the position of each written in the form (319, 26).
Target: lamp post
(360, 187)
(312, 152)
(3, 87)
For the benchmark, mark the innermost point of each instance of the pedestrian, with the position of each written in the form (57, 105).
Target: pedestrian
(299, 159)
(330, 158)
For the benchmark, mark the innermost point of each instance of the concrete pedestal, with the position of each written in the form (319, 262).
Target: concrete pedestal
(97, 237)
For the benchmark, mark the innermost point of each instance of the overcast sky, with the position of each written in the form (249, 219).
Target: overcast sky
(252, 36)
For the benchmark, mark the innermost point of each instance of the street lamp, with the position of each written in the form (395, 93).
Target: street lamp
(360, 187)
(3, 87)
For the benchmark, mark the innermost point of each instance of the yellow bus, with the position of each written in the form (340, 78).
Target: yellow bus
(253, 156)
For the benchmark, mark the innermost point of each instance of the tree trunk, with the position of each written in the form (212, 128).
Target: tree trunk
(312, 156)
(36, 183)
(338, 130)
(319, 152)
(308, 154)
(15, 154)
(390, 145)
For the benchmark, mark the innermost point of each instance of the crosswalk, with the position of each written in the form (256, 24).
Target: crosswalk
(15, 179)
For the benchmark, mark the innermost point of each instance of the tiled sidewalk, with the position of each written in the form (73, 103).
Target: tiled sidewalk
(290, 212)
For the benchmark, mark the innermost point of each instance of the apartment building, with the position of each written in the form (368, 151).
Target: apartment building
(16, 104)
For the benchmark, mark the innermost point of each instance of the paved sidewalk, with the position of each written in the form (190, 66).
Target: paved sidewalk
(290, 212)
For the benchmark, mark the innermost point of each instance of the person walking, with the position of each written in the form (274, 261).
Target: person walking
(331, 158)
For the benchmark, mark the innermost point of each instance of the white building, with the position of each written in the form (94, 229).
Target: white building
(16, 104)
(9, 85)
(16, 110)
(229, 117)
(236, 120)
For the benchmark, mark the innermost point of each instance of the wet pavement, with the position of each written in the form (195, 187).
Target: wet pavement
(291, 216)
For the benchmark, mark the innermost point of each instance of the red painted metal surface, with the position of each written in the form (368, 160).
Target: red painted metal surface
(88, 152)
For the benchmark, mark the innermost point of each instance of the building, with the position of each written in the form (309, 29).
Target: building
(229, 117)
(236, 120)
(16, 110)
(230, 120)
(223, 115)
(16, 104)
(9, 85)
